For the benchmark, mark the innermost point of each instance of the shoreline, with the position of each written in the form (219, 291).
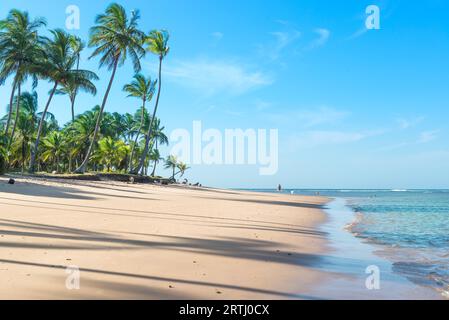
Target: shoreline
(351, 259)
(143, 241)
(157, 242)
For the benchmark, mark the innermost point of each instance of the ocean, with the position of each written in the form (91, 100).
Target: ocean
(410, 228)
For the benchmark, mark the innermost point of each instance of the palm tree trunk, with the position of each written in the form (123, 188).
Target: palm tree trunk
(72, 100)
(13, 132)
(154, 169)
(39, 131)
(8, 122)
(137, 137)
(83, 166)
(150, 129)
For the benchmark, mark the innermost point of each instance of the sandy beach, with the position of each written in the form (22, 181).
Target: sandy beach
(155, 242)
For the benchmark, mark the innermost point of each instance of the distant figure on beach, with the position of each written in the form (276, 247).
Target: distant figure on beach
(279, 188)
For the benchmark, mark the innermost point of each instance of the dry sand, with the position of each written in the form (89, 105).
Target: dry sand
(151, 242)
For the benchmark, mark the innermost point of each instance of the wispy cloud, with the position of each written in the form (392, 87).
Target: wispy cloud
(216, 76)
(427, 136)
(315, 138)
(283, 40)
(408, 123)
(323, 37)
(217, 35)
(423, 138)
(310, 117)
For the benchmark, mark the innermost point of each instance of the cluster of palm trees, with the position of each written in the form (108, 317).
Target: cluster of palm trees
(94, 140)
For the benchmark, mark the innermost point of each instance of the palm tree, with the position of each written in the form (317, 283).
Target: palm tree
(182, 167)
(26, 119)
(111, 152)
(19, 50)
(115, 37)
(71, 88)
(155, 156)
(143, 89)
(171, 163)
(58, 67)
(157, 42)
(3, 153)
(54, 148)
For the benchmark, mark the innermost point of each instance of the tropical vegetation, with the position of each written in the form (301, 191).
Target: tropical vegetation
(31, 139)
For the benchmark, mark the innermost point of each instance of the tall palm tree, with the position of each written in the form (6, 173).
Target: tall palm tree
(143, 89)
(58, 68)
(19, 50)
(71, 88)
(157, 42)
(115, 37)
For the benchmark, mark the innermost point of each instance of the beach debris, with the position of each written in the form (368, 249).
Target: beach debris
(289, 254)
(131, 180)
(218, 292)
(170, 286)
(11, 181)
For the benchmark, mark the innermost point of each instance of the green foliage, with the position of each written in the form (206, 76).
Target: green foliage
(30, 137)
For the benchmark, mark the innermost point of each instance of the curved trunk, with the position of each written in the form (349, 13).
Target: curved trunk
(72, 100)
(8, 122)
(137, 137)
(150, 129)
(82, 168)
(13, 132)
(154, 169)
(39, 131)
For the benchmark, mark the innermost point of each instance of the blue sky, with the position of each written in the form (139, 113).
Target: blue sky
(355, 108)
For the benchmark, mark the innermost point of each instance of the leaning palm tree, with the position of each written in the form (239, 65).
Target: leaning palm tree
(155, 156)
(58, 68)
(157, 43)
(19, 50)
(182, 167)
(143, 89)
(115, 37)
(171, 163)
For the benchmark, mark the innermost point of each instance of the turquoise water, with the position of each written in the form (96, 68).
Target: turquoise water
(409, 227)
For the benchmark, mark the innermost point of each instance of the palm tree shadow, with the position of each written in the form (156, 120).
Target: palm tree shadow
(40, 190)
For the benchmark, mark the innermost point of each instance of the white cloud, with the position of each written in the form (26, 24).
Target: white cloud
(408, 123)
(215, 76)
(320, 116)
(427, 136)
(316, 138)
(217, 35)
(308, 118)
(283, 40)
(323, 37)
